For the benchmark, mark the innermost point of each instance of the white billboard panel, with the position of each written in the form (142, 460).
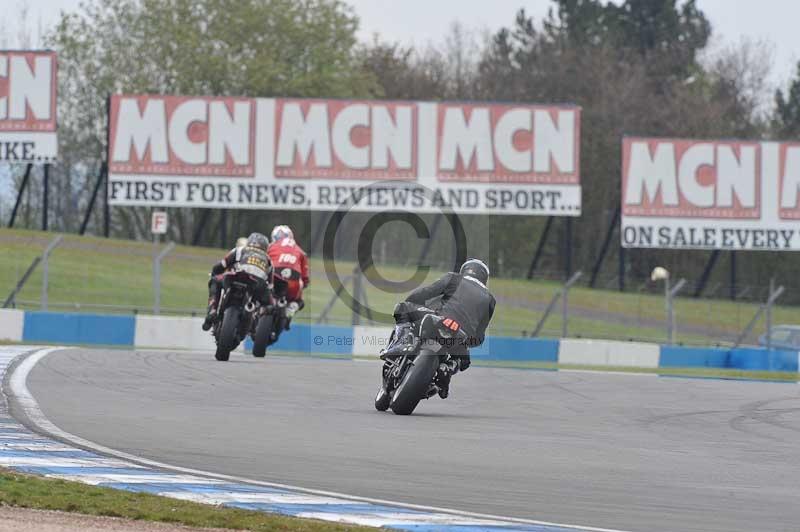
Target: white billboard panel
(28, 106)
(710, 194)
(288, 153)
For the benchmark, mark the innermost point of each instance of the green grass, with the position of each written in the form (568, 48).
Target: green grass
(106, 275)
(715, 373)
(28, 491)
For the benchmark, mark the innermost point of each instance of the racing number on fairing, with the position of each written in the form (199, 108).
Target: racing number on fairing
(287, 258)
(258, 262)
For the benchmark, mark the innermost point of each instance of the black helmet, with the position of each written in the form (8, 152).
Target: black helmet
(476, 269)
(257, 240)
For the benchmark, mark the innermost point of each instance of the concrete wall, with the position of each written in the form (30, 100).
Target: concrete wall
(11, 325)
(607, 353)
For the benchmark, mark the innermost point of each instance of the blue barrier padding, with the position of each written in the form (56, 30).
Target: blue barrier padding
(745, 358)
(692, 357)
(325, 339)
(78, 328)
(763, 359)
(517, 349)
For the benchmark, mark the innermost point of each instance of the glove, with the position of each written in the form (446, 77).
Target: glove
(291, 308)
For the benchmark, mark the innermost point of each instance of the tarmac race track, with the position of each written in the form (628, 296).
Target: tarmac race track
(638, 453)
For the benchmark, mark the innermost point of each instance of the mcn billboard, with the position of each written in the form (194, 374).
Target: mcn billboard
(28, 107)
(710, 194)
(288, 153)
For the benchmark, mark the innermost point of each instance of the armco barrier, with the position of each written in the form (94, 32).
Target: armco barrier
(11, 324)
(185, 333)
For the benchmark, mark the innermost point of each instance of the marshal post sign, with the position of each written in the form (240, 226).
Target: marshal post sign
(284, 153)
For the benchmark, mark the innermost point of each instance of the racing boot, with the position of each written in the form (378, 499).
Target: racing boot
(291, 309)
(211, 314)
(446, 372)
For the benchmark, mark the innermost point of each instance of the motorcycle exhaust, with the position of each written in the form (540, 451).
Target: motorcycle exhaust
(250, 306)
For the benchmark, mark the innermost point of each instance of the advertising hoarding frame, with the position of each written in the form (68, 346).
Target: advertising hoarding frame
(9, 138)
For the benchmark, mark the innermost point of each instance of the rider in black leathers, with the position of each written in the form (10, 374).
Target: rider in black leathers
(462, 297)
(252, 249)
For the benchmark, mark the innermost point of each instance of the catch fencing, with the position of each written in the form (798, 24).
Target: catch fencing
(116, 277)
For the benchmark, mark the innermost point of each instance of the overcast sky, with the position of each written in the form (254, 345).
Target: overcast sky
(425, 21)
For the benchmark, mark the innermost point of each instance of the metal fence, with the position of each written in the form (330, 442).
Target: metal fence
(41, 271)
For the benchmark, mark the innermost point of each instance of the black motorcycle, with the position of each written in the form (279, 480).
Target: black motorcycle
(274, 317)
(414, 370)
(237, 310)
(270, 325)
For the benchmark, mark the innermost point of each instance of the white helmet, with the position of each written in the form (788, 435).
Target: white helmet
(241, 242)
(279, 232)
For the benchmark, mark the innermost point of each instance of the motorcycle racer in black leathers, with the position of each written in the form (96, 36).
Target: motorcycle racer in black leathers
(247, 249)
(462, 297)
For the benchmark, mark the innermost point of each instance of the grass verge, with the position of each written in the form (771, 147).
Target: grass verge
(709, 373)
(119, 279)
(28, 491)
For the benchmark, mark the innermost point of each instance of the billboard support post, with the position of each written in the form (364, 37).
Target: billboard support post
(22, 187)
(201, 225)
(598, 263)
(733, 276)
(106, 210)
(540, 247)
(45, 196)
(89, 208)
(223, 228)
(701, 284)
(564, 306)
(567, 247)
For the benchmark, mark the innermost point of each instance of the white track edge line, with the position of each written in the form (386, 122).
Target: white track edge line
(18, 384)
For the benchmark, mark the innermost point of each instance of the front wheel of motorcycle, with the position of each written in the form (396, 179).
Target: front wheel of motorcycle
(382, 400)
(261, 338)
(227, 341)
(415, 383)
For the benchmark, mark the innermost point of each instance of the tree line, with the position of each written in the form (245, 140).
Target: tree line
(641, 67)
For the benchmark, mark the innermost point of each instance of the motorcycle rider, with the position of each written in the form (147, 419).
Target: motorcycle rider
(253, 247)
(290, 271)
(462, 297)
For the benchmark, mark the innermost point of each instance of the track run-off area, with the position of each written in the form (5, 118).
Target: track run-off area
(626, 452)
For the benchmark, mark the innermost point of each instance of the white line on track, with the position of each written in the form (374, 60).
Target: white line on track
(19, 390)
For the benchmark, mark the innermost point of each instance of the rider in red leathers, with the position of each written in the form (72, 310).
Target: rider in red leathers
(290, 265)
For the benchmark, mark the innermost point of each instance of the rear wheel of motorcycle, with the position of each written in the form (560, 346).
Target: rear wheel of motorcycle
(382, 400)
(415, 383)
(261, 338)
(227, 341)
